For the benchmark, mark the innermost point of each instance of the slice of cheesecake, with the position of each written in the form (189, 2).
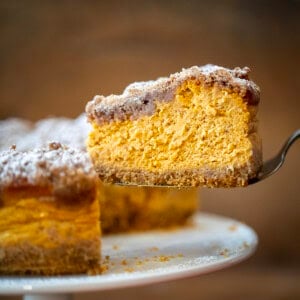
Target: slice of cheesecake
(195, 127)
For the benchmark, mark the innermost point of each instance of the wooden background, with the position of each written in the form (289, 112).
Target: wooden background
(56, 55)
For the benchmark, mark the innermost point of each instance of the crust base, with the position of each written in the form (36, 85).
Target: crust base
(180, 178)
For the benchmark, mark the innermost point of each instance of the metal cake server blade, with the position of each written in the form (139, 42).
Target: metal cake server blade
(272, 165)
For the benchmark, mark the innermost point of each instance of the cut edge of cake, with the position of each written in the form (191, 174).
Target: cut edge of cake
(49, 212)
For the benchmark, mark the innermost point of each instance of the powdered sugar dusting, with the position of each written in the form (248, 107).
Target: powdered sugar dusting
(71, 132)
(55, 165)
(13, 129)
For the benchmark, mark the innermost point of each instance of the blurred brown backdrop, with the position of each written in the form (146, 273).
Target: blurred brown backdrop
(56, 55)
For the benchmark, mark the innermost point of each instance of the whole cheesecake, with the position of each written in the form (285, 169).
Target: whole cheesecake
(197, 127)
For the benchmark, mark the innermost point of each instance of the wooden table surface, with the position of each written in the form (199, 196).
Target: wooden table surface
(56, 55)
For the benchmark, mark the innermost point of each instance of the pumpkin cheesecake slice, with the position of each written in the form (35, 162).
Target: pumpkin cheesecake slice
(197, 127)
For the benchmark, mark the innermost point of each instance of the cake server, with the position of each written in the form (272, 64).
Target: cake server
(272, 165)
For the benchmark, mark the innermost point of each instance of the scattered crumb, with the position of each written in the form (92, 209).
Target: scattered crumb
(116, 247)
(164, 258)
(107, 262)
(246, 245)
(97, 270)
(104, 269)
(224, 252)
(232, 227)
(104, 264)
(152, 249)
(129, 270)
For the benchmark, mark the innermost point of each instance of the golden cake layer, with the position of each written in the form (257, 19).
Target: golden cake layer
(196, 127)
(49, 212)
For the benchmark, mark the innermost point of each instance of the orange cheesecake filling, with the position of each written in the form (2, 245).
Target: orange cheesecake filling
(40, 234)
(202, 127)
(141, 208)
(47, 223)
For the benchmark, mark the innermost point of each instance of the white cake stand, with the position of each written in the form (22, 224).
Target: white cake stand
(211, 243)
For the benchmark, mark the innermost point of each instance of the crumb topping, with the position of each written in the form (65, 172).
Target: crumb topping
(57, 166)
(139, 97)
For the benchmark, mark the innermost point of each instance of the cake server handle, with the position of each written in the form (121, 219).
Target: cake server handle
(272, 165)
